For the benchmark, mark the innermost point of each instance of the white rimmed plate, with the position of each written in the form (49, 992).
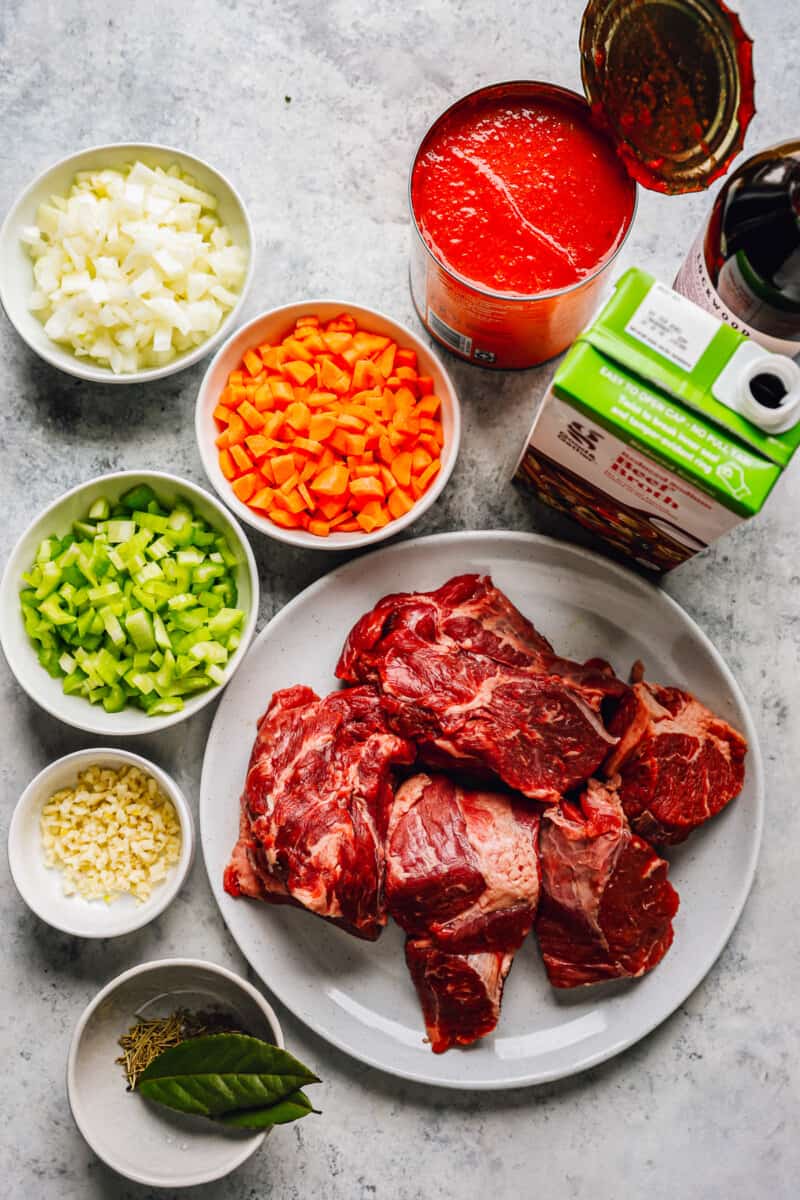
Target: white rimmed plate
(358, 995)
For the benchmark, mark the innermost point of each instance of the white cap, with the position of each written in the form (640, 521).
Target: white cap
(767, 373)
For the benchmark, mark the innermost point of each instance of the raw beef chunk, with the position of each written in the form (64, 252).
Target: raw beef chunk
(679, 763)
(460, 993)
(606, 906)
(464, 675)
(315, 805)
(462, 878)
(462, 866)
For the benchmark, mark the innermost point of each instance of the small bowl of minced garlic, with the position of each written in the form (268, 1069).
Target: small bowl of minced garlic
(100, 843)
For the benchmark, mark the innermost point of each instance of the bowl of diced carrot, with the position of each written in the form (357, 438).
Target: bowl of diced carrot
(327, 425)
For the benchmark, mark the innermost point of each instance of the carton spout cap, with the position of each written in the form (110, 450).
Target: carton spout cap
(769, 392)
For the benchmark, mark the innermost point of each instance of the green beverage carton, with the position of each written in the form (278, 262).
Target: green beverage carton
(663, 427)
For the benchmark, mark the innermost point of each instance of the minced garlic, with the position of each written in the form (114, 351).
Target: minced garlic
(115, 832)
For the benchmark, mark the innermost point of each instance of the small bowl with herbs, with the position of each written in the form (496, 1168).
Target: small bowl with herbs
(100, 843)
(177, 1071)
(128, 603)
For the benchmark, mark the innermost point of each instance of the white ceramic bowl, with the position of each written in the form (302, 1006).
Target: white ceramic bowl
(146, 1142)
(16, 265)
(272, 326)
(57, 518)
(42, 888)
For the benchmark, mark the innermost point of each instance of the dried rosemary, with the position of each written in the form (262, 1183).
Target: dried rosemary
(145, 1040)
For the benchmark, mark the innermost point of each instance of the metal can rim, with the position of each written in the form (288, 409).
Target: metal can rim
(544, 88)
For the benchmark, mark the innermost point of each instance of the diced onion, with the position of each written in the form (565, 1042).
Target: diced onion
(133, 267)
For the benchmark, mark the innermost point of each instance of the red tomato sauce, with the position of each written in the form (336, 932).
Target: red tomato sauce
(520, 194)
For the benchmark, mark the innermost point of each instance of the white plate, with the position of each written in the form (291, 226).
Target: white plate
(358, 995)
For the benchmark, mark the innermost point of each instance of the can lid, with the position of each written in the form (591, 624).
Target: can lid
(672, 83)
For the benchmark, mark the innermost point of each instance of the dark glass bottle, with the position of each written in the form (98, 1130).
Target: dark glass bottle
(745, 264)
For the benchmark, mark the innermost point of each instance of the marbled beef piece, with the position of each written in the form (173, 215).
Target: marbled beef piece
(606, 905)
(315, 807)
(679, 764)
(464, 675)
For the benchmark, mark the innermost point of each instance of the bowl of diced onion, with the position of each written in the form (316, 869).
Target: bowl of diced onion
(126, 262)
(100, 842)
(128, 603)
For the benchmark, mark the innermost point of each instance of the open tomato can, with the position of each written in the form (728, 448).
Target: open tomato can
(523, 193)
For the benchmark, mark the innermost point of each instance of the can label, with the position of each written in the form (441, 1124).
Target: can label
(455, 340)
(733, 301)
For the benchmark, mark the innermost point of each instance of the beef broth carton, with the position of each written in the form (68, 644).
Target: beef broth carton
(663, 428)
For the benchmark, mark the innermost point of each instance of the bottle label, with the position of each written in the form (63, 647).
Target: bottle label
(733, 303)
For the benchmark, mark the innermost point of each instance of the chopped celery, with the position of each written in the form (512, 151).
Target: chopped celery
(100, 510)
(134, 605)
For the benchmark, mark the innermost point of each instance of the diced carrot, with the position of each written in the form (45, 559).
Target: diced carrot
(401, 468)
(286, 519)
(282, 391)
(343, 321)
(399, 502)
(290, 484)
(332, 508)
(326, 459)
(349, 527)
(334, 378)
(244, 487)
(296, 350)
(236, 432)
(404, 400)
(430, 443)
(299, 372)
(264, 498)
(308, 446)
(369, 343)
(366, 374)
(367, 471)
(222, 414)
(344, 515)
(406, 358)
(242, 459)
(311, 339)
(319, 528)
(337, 342)
(349, 420)
(319, 399)
(227, 465)
(236, 377)
(338, 441)
(294, 501)
(238, 393)
(250, 415)
(309, 470)
(257, 444)
(420, 458)
(370, 487)
(429, 472)
(309, 502)
(385, 360)
(332, 481)
(355, 443)
(387, 479)
(252, 361)
(283, 467)
(309, 319)
(386, 450)
(298, 416)
(266, 470)
(321, 426)
(263, 399)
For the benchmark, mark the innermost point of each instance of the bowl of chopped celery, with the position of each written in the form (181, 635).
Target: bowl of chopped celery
(126, 262)
(128, 603)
